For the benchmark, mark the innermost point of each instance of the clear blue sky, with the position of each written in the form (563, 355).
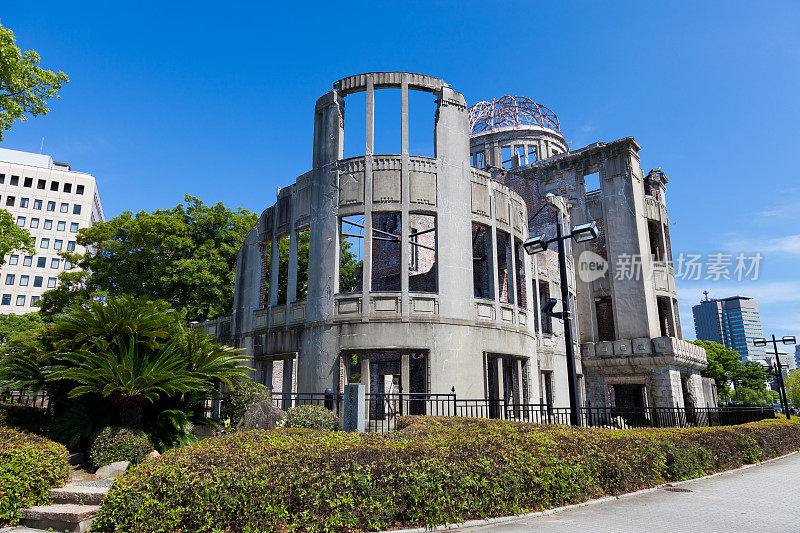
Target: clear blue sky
(216, 100)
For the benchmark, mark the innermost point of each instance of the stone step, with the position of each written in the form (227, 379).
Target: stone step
(81, 494)
(67, 517)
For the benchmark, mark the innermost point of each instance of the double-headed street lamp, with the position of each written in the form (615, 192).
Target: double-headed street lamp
(786, 339)
(533, 245)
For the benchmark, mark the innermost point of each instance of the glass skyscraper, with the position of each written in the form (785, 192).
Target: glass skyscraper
(733, 322)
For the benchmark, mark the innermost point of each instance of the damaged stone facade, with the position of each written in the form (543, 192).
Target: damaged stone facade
(407, 273)
(628, 324)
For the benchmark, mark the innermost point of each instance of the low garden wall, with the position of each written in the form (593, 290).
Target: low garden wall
(29, 467)
(429, 472)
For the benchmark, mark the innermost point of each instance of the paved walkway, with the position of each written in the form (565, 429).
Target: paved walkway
(764, 498)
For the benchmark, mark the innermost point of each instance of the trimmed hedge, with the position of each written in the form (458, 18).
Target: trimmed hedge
(311, 417)
(432, 471)
(29, 467)
(114, 444)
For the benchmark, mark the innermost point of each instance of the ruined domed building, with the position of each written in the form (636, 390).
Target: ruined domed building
(406, 272)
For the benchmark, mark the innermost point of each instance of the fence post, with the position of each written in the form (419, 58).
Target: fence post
(455, 403)
(354, 407)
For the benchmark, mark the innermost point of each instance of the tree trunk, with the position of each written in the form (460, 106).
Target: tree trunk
(129, 410)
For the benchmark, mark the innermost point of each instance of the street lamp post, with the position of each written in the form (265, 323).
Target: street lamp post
(779, 367)
(533, 245)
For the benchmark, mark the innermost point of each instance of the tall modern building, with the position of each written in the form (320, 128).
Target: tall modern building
(52, 202)
(733, 322)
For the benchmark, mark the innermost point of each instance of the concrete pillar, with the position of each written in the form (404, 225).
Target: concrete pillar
(405, 372)
(501, 395)
(405, 229)
(454, 224)
(366, 270)
(365, 375)
(291, 285)
(519, 381)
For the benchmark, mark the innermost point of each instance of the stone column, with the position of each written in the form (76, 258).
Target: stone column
(405, 229)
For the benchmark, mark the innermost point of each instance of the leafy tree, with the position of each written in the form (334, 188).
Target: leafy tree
(12, 237)
(185, 255)
(793, 388)
(349, 268)
(25, 87)
(728, 370)
(11, 324)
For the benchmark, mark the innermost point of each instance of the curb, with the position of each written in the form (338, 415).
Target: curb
(500, 519)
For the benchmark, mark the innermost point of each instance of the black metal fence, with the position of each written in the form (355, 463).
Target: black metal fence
(383, 410)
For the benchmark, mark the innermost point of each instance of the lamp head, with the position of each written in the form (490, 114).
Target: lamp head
(534, 245)
(760, 342)
(585, 232)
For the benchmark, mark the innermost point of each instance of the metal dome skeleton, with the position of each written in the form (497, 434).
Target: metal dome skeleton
(511, 111)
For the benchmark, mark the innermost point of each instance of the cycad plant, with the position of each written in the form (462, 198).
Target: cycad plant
(126, 360)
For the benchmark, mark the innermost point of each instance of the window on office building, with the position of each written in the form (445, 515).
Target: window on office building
(41, 262)
(14, 180)
(51, 283)
(34, 299)
(57, 244)
(34, 222)
(21, 222)
(54, 262)
(9, 279)
(54, 186)
(48, 224)
(51, 206)
(79, 189)
(23, 281)
(76, 209)
(10, 201)
(13, 259)
(6, 299)
(28, 182)
(44, 243)
(61, 226)
(67, 265)
(23, 202)
(27, 260)
(64, 207)
(67, 187)
(37, 204)
(37, 281)
(71, 246)
(73, 228)
(41, 184)
(21, 300)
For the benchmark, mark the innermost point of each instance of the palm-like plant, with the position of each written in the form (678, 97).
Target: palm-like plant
(128, 372)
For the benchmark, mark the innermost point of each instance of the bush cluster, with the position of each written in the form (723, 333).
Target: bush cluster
(236, 402)
(114, 444)
(433, 471)
(32, 419)
(29, 467)
(311, 417)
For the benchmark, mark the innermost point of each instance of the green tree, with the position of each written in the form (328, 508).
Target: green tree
(11, 324)
(12, 237)
(793, 388)
(730, 372)
(185, 255)
(25, 87)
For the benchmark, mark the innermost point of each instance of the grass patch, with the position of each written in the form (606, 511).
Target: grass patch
(430, 472)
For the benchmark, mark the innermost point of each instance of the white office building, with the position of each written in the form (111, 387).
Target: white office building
(52, 202)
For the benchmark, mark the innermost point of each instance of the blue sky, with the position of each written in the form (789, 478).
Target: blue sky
(216, 100)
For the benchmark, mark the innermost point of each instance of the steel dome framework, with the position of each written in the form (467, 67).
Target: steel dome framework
(511, 111)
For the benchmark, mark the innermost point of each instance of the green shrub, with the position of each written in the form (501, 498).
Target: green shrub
(236, 402)
(32, 419)
(434, 471)
(29, 467)
(311, 417)
(114, 444)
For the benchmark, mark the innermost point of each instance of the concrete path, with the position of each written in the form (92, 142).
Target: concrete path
(764, 498)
